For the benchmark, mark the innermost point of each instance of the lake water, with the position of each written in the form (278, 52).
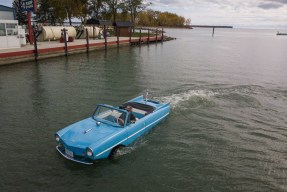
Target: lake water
(226, 131)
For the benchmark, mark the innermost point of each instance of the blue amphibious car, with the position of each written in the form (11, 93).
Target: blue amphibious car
(101, 135)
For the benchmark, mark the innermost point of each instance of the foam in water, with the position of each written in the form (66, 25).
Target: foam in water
(176, 99)
(129, 149)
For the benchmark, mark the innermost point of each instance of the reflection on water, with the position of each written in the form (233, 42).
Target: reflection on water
(226, 130)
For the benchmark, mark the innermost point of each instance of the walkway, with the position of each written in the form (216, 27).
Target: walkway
(55, 48)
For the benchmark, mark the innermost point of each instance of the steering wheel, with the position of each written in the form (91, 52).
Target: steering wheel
(115, 120)
(120, 121)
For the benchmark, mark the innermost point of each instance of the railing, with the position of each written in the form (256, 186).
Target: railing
(141, 39)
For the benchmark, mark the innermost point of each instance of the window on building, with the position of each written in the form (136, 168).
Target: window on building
(11, 29)
(2, 29)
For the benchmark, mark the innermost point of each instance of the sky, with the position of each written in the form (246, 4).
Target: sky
(238, 13)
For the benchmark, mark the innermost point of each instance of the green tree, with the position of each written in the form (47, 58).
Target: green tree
(96, 7)
(69, 8)
(45, 13)
(157, 18)
(20, 14)
(113, 7)
(134, 7)
(143, 19)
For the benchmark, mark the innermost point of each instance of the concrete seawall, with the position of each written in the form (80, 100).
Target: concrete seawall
(55, 48)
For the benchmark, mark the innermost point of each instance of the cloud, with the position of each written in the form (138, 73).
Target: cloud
(251, 13)
(263, 4)
(270, 5)
(278, 1)
(6, 3)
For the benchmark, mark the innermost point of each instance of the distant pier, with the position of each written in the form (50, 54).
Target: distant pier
(278, 33)
(211, 26)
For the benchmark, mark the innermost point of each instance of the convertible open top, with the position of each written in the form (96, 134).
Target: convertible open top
(101, 135)
(147, 108)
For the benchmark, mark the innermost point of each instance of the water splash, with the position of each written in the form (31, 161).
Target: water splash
(129, 149)
(178, 98)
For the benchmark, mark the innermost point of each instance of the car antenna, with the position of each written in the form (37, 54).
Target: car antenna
(146, 95)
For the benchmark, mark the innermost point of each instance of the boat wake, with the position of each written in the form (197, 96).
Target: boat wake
(194, 98)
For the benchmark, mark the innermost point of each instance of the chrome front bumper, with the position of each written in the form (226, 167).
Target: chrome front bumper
(83, 160)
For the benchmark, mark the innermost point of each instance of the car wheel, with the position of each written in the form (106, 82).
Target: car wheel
(115, 153)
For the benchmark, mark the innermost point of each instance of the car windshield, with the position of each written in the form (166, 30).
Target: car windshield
(110, 115)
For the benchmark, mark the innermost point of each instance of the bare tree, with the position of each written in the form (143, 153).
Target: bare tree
(188, 22)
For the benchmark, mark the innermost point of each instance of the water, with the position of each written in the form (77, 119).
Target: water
(226, 130)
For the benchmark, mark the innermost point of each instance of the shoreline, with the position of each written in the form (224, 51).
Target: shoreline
(55, 48)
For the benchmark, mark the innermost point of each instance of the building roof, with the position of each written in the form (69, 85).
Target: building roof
(94, 21)
(5, 8)
(122, 24)
(11, 15)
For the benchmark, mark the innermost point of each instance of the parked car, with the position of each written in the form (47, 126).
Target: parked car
(108, 129)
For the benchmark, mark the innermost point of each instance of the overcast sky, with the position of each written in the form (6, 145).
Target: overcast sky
(239, 13)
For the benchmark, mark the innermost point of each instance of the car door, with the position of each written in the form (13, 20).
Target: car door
(135, 130)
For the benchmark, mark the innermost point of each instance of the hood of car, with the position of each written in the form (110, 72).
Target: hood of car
(86, 132)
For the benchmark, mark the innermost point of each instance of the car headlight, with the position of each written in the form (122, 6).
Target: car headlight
(57, 138)
(89, 152)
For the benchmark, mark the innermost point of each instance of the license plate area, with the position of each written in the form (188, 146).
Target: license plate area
(69, 153)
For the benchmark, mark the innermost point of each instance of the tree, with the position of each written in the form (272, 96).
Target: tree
(20, 14)
(96, 7)
(157, 18)
(114, 6)
(42, 14)
(134, 7)
(188, 22)
(81, 10)
(45, 13)
(143, 19)
(69, 8)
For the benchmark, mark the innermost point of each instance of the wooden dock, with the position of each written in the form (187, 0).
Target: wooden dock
(55, 48)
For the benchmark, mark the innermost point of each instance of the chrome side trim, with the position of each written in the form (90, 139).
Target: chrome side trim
(147, 126)
(131, 135)
(72, 159)
(110, 148)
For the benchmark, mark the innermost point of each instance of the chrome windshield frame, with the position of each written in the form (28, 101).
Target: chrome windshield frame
(106, 121)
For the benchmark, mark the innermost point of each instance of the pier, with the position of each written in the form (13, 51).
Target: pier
(42, 50)
(212, 26)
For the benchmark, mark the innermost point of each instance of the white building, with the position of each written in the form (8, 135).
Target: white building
(9, 29)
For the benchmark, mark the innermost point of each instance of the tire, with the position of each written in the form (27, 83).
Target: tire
(113, 154)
